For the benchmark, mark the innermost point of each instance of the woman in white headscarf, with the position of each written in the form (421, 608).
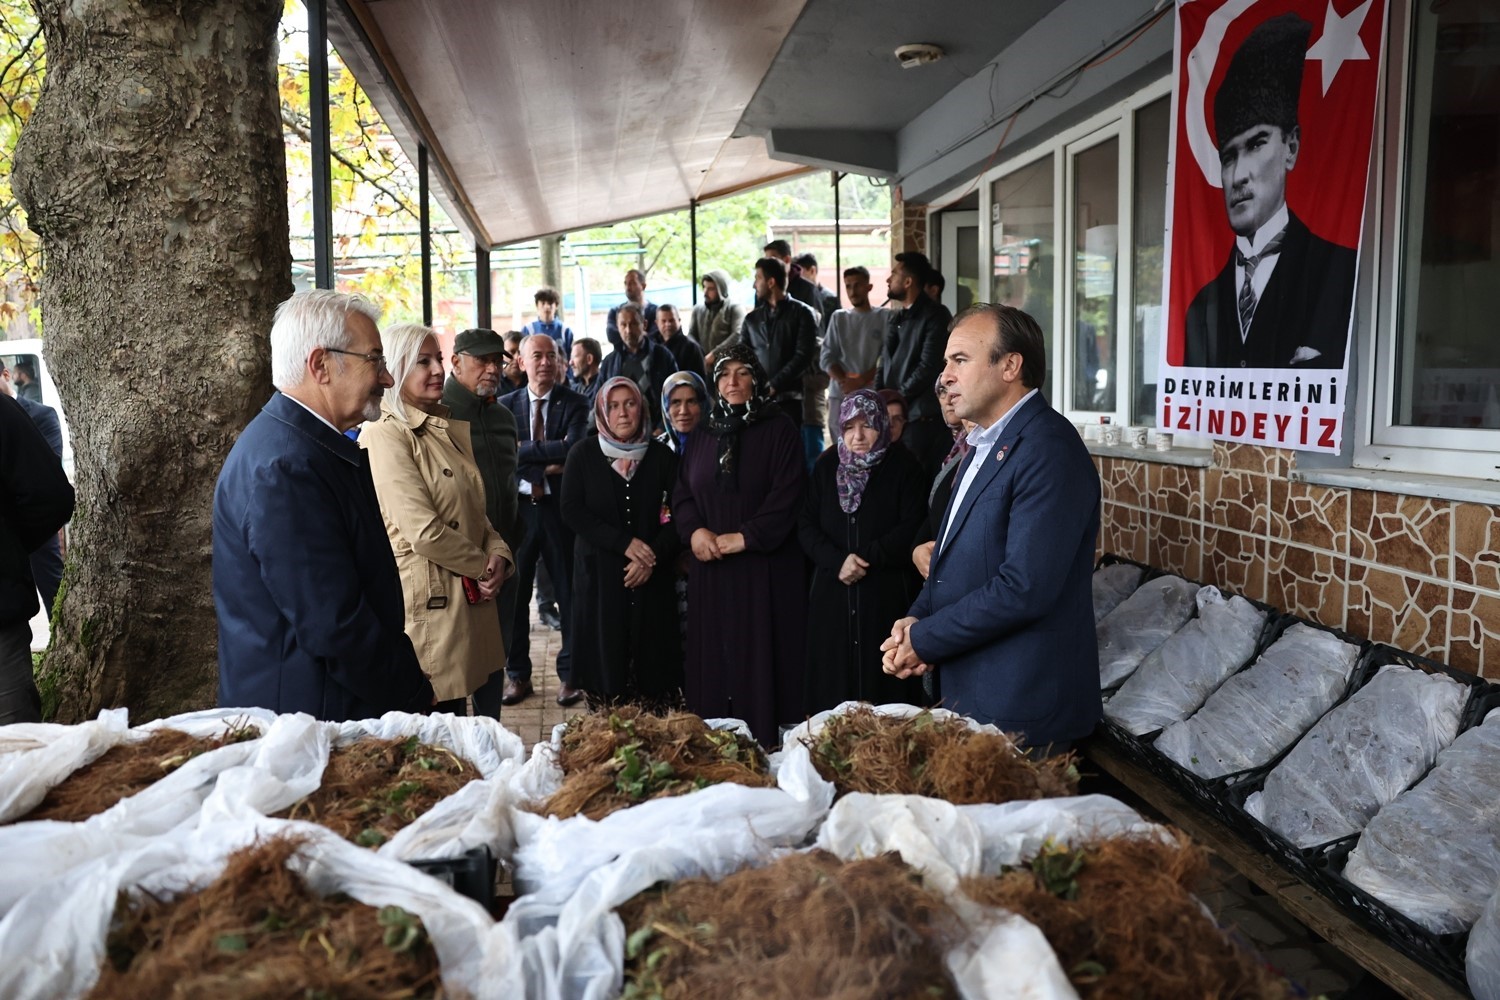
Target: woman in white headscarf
(616, 498)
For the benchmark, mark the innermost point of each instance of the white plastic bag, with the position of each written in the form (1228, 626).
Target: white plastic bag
(1433, 853)
(1140, 623)
(1112, 584)
(61, 928)
(1360, 756)
(553, 855)
(1483, 959)
(33, 853)
(39, 755)
(1262, 711)
(1179, 675)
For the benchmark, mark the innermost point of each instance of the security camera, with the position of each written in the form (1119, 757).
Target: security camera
(918, 54)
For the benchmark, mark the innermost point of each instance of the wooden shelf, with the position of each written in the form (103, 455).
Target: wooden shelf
(1402, 974)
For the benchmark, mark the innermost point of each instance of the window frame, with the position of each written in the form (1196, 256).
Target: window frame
(1114, 122)
(1379, 442)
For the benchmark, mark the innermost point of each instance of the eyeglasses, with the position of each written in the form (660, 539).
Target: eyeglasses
(378, 360)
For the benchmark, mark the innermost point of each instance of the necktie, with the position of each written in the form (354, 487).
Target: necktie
(1247, 297)
(538, 433)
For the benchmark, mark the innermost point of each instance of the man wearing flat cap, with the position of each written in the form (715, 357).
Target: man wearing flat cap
(471, 392)
(1283, 298)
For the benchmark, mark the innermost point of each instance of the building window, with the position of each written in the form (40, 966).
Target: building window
(1435, 361)
(1112, 174)
(1023, 242)
(1149, 225)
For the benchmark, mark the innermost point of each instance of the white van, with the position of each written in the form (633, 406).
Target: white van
(31, 351)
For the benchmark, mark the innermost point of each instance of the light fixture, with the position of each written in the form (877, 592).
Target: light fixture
(918, 54)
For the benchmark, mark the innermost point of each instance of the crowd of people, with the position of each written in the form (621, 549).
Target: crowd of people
(380, 527)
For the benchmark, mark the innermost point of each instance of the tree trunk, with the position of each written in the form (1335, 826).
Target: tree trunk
(154, 171)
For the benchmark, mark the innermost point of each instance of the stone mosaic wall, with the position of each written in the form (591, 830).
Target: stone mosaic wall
(1420, 574)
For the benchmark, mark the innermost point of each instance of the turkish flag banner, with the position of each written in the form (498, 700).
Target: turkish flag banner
(1273, 124)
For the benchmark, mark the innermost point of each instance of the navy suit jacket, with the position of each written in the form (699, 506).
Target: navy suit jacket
(45, 418)
(1007, 612)
(569, 418)
(311, 616)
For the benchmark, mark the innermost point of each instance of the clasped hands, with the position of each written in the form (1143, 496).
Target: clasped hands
(899, 659)
(709, 547)
(496, 571)
(640, 560)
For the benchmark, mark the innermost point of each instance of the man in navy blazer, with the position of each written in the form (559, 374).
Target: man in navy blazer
(311, 616)
(550, 420)
(1007, 612)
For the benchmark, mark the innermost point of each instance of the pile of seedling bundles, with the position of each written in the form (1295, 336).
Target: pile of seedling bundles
(879, 851)
(896, 852)
(237, 853)
(1371, 772)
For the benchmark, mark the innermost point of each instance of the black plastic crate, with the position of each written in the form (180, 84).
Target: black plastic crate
(472, 874)
(1442, 953)
(1304, 862)
(1213, 794)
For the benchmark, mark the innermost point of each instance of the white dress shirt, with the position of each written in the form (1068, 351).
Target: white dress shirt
(982, 440)
(531, 398)
(1250, 248)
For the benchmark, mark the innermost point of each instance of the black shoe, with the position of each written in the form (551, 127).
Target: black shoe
(567, 694)
(515, 691)
(549, 615)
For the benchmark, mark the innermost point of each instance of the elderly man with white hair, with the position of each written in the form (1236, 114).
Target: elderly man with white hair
(310, 609)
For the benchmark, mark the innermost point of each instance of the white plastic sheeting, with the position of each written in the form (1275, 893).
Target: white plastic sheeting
(1140, 623)
(1360, 756)
(1178, 676)
(1263, 710)
(1433, 853)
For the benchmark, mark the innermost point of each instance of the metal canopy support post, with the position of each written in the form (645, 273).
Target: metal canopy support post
(693, 229)
(482, 316)
(838, 247)
(322, 163)
(424, 225)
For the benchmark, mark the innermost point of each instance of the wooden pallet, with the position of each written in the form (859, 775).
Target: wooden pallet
(1402, 974)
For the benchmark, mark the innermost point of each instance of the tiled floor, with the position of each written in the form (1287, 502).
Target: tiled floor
(533, 719)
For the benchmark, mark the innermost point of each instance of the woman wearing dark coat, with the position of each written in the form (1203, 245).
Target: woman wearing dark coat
(864, 503)
(737, 501)
(616, 499)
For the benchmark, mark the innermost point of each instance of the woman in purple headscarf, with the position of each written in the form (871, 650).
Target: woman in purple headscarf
(616, 499)
(864, 503)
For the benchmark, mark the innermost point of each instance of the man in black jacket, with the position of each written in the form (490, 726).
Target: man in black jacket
(46, 561)
(783, 333)
(471, 393)
(36, 500)
(913, 356)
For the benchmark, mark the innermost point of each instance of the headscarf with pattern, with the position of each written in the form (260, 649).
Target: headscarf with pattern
(624, 455)
(726, 420)
(853, 473)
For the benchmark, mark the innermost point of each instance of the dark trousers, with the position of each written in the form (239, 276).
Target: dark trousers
(487, 696)
(19, 701)
(46, 569)
(549, 540)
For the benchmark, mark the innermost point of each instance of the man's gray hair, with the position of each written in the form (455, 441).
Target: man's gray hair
(544, 336)
(307, 320)
(403, 343)
(630, 307)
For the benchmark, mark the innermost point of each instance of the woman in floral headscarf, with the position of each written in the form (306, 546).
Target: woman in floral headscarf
(616, 499)
(864, 504)
(738, 495)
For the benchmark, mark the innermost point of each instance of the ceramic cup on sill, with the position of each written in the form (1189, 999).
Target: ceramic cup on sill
(1110, 435)
(1163, 441)
(1137, 437)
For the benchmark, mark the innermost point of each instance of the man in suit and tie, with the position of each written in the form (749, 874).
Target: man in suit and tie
(1007, 612)
(551, 418)
(1283, 298)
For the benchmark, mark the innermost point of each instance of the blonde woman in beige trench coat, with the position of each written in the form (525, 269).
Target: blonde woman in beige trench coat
(432, 501)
